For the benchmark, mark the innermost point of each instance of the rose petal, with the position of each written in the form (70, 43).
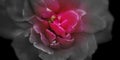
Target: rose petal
(68, 28)
(44, 12)
(57, 29)
(41, 9)
(40, 26)
(68, 20)
(50, 35)
(33, 37)
(36, 28)
(69, 4)
(80, 25)
(56, 45)
(43, 48)
(85, 45)
(93, 24)
(52, 4)
(81, 12)
(78, 28)
(23, 48)
(68, 36)
(44, 39)
(71, 15)
(65, 42)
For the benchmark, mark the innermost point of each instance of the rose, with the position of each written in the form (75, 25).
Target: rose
(56, 29)
(17, 29)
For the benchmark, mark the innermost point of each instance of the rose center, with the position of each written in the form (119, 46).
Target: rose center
(53, 17)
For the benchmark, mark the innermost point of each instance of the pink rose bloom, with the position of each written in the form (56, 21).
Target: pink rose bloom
(57, 28)
(56, 25)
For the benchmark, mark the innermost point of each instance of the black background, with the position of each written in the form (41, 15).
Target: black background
(105, 51)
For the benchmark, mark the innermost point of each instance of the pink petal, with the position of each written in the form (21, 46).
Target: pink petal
(68, 28)
(42, 36)
(57, 29)
(79, 27)
(44, 39)
(50, 35)
(44, 12)
(36, 28)
(68, 20)
(65, 42)
(44, 23)
(70, 15)
(41, 9)
(41, 25)
(81, 12)
(52, 4)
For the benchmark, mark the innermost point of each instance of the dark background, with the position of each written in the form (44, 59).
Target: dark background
(105, 51)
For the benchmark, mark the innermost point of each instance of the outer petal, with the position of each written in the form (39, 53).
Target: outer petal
(93, 24)
(42, 36)
(41, 9)
(23, 49)
(79, 51)
(44, 12)
(15, 10)
(52, 4)
(43, 48)
(85, 46)
(65, 43)
(80, 25)
(35, 39)
(40, 25)
(69, 4)
(40, 28)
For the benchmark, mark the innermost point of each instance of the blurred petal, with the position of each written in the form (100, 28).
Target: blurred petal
(68, 20)
(93, 24)
(8, 28)
(79, 27)
(40, 25)
(86, 45)
(34, 37)
(23, 49)
(69, 4)
(57, 29)
(65, 42)
(52, 4)
(50, 35)
(55, 45)
(36, 28)
(43, 48)
(15, 10)
(44, 39)
(44, 12)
